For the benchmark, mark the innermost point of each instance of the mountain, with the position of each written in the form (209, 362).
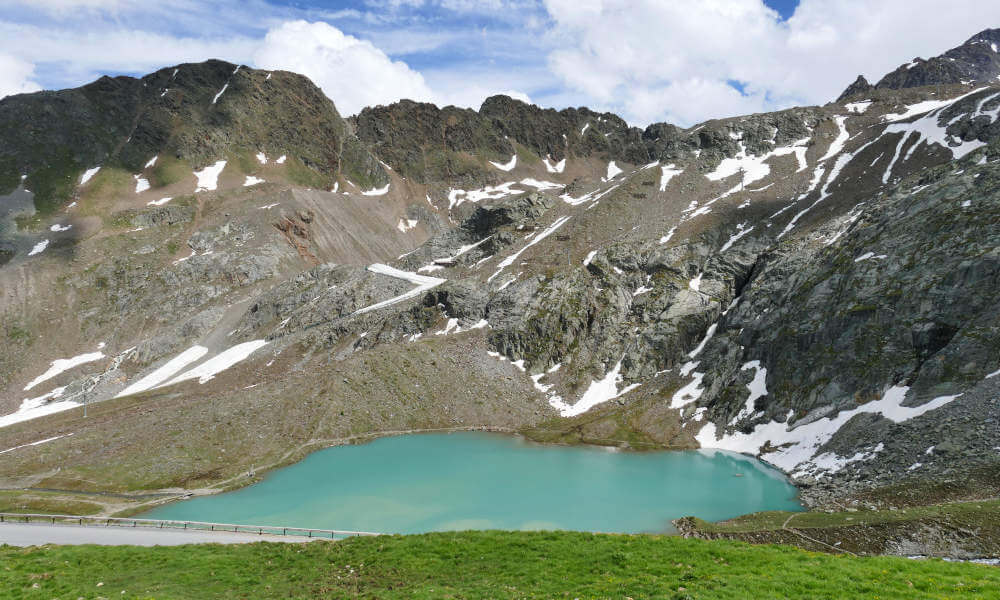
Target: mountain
(978, 59)
(249, 277)
(189, 114)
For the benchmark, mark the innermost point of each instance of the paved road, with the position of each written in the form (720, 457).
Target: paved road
(35, 534)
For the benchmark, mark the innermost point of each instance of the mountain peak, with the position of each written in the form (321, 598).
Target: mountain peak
(860, 86)
(978, 59)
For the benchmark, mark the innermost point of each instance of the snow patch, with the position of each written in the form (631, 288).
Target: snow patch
(757, 387)
(39, 442)
(251, 180)
(208, 178)
(216, 98)
(613, 171)
(405, 225)
(799, 444)
(377, 191)
(422, 282)
(457, 197)
(61, 365)
(670, 234)
(541, 236)
(838, 143)
(559, 167)
(57, 227)
(542, 185)
(668, 172)
(858, 107)
(88, 174)
(704, 341)
(599, 392)
(39, 247)
(166, 371)
(742, 230)
(220, 362)
(507, 166)
(32, 408)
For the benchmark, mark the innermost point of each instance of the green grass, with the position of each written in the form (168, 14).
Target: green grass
(169, 170)
(109, 182)
(972, 514)
(299, 174)
(44, 502)
(486, 564)
(54, 183)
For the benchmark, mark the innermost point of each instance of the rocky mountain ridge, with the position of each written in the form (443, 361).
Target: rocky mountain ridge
(978, 59)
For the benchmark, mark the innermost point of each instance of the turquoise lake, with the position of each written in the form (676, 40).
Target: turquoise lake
(456, 481)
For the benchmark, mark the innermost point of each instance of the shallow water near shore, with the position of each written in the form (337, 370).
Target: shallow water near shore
(458, 481)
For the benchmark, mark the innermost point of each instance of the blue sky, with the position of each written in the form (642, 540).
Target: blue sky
(681, 61)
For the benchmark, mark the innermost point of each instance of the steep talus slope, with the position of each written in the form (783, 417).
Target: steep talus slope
(812, 286)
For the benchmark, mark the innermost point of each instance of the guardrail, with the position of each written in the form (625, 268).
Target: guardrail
(179, 525)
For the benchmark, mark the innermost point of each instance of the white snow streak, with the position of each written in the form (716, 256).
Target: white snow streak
(88, 174)
(541, 236)
(422, 282)
(39, 247)
(216, 98)
(219, 363)
(377, 191)
(507, 166)
(166, 371)
(670, 234)
(668, 172)
(837, 145)
(742, 230)
(554, 168)
(39, 442)
(599, 392)
(64, 364)
(542, 185)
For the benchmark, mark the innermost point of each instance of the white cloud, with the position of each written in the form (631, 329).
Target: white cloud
(352, 72)
(648, 60)
(80, 55)
(516, 95)
(655, 60)
(16, 76)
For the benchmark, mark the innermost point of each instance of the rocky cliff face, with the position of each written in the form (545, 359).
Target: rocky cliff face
(813, 286)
